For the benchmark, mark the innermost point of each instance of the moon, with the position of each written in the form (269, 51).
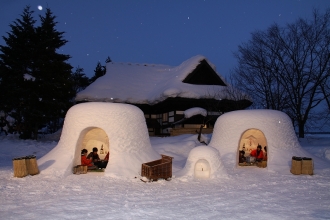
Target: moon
(40, 7)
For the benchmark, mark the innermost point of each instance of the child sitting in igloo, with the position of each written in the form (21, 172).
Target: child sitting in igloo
(257, 153)
(87, 162)
(241, 157)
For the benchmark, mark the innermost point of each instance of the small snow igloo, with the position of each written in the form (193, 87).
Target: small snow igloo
(248, 128)
(203, 162)
(118, 128)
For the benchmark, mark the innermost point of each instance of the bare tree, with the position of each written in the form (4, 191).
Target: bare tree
(287, 68)
(256, 74)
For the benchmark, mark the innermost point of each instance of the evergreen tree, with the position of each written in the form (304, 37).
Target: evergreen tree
(79, 80)
(52, 91)
(16, 65)
(108, 60)
(35, 78)
(98, 72)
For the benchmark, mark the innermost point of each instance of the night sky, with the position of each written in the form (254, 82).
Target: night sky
(159, 31)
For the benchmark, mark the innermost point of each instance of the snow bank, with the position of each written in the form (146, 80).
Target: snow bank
(281, 140)
(125, 126)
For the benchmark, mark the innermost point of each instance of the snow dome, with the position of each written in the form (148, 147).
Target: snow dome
(117, 128)
(249, 128)
(203, 162)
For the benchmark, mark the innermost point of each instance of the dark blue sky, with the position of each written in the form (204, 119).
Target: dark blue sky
(159, 31)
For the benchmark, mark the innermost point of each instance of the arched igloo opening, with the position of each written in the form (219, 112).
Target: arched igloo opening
(202, 169)
(249, 141)
(96, 137)
(88, 139)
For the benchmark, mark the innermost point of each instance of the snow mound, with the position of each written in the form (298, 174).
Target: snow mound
(128, 138)
(194, 111)
(203, 157)
(280, 138)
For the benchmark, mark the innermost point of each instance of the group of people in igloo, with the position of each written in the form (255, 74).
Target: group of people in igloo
(121, 130)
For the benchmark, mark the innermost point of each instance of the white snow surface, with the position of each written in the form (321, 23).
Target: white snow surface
(125, 127)
(147, 83)
(282, 142)
(231, 192)
(244, 194)
(194, 111)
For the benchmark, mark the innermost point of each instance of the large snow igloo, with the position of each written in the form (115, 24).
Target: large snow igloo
(269, 128)
(118, 128)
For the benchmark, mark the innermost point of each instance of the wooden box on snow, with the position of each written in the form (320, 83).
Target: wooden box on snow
(24, 166)
(157, 169)
(296, 165)
(307, 166)
(302, 165)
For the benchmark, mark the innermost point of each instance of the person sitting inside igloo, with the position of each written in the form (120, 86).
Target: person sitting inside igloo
(257, 153)
(265, 153)
(87, 162)
(94, 156)
(241, 157)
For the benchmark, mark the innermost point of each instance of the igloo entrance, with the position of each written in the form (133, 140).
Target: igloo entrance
(92, 137)
(96, 137)
(202, 169)
(248, 155)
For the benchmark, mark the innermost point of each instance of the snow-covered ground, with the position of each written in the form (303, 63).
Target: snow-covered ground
(246, 193)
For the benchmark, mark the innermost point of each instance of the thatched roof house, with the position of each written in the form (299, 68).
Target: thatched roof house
(164, 92)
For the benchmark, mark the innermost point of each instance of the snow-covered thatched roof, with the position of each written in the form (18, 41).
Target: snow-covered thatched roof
(148, 83)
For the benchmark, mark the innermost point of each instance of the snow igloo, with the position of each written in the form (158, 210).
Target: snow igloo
(249, 128)
(119, 129)
(203, 162)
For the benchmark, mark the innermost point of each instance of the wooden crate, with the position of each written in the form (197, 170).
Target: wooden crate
(158, 169)
(302, 165)
(307, 166)
(296, 165)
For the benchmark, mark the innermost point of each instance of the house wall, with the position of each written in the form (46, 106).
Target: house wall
(162, 120)
(180, 131)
